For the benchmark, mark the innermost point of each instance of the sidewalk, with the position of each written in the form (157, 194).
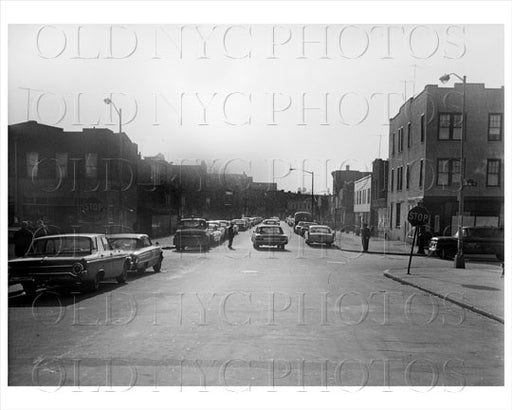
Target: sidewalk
(352, 243)
(479, 287)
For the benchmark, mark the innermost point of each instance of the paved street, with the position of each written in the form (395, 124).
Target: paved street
(305, 316)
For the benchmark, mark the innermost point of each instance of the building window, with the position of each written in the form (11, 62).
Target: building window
(61, 164)
(391, 215)
(409, 135)
(32, 164)
(420, 183)
(407, 177)
(493, 172)
(369, 195)
(450, 126)
(448, 171)
(399, 178)
(495, 127)
(91, 165)
(397, 215)
(422, 128)
(401, 139)
(391, 186)
(393, 144)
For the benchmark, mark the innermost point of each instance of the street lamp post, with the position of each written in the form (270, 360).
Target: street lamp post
(119, 112)
(459, 258)
(312, 190)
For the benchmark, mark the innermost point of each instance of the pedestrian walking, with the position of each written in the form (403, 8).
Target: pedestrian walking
(22, 240)
(231, 234)
(365, 237)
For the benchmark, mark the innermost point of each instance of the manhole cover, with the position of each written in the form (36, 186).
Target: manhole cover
(481, 287)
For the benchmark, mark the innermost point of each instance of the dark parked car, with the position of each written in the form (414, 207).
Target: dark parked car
(143, 253)
(75, 261)
(192, 233)
(269, 235)
(475, 240)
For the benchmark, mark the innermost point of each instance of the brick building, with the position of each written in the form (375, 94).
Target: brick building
(424, 151)
(74, 181)
(342, 208)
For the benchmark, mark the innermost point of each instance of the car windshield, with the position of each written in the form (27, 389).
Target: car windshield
(58, 246)
(192, 223)
(270, 230)
(125, 244)
(319, 230)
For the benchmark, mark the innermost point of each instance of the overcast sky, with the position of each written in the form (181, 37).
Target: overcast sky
(240, 95)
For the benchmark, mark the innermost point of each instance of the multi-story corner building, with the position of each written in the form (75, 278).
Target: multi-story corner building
(343, 198)
(75, 181)
(424, 158)
(362, 200)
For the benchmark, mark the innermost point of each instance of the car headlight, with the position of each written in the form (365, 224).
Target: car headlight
(77, 268)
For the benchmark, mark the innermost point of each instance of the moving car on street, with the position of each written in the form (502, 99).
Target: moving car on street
(192, 233)
(302, 216)
(302, 226)
(270, 222)
(321, 234)
(215, 233)
(475, 240)
(143, 253)
(241, 224)
(269, 235)
(76, 261)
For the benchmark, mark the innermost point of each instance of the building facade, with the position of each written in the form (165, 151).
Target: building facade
(342, 209)
(379, 194)
(73, 181)
(362, 200)
(424, 158)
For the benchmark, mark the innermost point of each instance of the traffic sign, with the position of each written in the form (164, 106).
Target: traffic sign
(418, 216)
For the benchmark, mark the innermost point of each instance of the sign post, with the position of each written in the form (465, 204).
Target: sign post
(417, 216)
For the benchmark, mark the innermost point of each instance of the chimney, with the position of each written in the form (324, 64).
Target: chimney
(347, 167)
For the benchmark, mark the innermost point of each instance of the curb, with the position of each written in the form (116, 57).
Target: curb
(463, 305)
(381, 252)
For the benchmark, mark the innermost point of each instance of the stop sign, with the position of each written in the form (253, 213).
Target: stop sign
(418, 216)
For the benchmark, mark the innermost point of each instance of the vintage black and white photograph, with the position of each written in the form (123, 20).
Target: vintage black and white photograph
(210, 205)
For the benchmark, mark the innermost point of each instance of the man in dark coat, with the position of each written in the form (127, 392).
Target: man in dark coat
(22, 240)
(365, 237)
(231, 234)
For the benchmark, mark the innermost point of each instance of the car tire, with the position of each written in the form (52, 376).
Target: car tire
(124, 275)
(92, 285)
(30, 289)
(158, 266)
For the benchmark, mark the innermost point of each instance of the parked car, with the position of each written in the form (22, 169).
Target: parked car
(215, 233)
(270, 222)
(241, 224)
(224, 225)
(269, 235)
(320, 234)
(143, 253)
(475, 240)
(192, 233)
(79, 261)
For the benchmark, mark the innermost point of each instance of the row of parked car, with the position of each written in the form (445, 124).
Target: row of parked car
(81, 261)
(199, 233)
